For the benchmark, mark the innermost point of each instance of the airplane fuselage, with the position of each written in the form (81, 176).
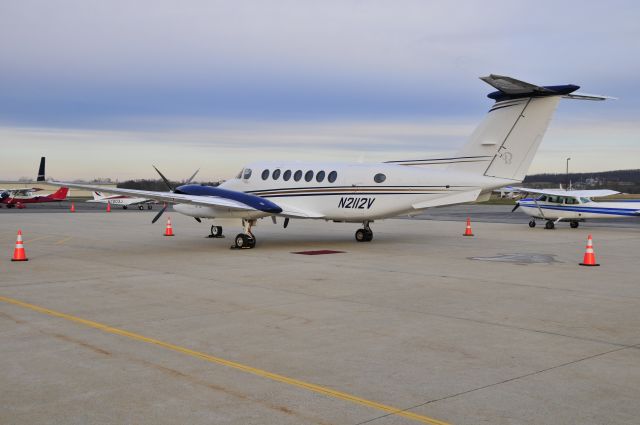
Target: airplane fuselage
(347, 192)
(586, 209)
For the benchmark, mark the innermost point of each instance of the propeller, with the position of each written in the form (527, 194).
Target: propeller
(172, 190)
(516, 206)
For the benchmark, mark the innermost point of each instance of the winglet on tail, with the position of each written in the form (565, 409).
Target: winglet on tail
(40, 177)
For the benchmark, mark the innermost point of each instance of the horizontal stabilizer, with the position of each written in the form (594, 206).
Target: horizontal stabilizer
(586, 96)
(510, 88)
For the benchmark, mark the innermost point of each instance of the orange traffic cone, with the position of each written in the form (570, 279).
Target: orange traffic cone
(169, 230)
(108, 206)
(18, 253)
(467, 231)
(589, 254)
(73, 207)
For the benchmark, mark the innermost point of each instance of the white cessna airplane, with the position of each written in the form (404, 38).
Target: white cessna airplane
(121, 200)
(497, 154)
(573, 206)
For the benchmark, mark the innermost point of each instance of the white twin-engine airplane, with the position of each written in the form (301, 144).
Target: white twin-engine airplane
(573, 206)
(498, 153)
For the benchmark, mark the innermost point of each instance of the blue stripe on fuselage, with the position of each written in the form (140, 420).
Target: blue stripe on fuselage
(594, 210)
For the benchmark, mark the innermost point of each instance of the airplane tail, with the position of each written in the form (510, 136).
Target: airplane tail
(40, 177)
(505, 142)
(98, 196)
(60, 194)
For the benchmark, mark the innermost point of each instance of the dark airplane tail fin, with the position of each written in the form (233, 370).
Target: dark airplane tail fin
(41, 170)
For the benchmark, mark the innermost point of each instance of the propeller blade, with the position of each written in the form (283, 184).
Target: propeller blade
(159, 214)
(166, 181)
(191, 178)
(516, 207)
(286, 222)
(198, 219)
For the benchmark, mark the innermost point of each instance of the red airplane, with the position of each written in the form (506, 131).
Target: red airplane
(19, 197)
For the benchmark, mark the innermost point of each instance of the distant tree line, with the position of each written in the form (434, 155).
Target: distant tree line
(627, 181)
(156, 185)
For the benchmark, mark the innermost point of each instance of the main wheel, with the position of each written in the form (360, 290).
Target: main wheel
(124, 207)
(532, 223)
(140, 207)
(241, 240)
(574, 224)
(149, 206)
(549, 225)
(364, 235)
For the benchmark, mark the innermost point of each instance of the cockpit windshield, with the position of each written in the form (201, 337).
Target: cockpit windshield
(585, 200)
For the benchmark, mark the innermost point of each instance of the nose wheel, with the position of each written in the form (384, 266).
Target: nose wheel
(365, 234)
(216, 232)
(532, 223)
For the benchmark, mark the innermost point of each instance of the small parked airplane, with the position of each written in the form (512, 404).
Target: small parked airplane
(497, 154)
(124, 201)
(18, 197)
(573, 206)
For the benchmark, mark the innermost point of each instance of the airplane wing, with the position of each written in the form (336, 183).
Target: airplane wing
(170, 197)
(599, 193)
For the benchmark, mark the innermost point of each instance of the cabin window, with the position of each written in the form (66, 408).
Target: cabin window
(246, 174)
(286, 175)
(265, 174)
(276, 174)
(542, 198)
(379, 178)
(297, 176)
(308, 176)
(332, 176)
(585, 200)
(320, 176)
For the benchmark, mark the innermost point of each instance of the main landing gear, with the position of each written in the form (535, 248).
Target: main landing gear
(246, 239)
(365, 234)
(532, 223)
(550, 225)
(574, 224)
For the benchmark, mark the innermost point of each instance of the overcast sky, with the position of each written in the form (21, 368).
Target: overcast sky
(106, 88)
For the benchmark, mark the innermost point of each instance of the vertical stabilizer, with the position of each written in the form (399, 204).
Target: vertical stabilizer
(505, 142)
(40, 177)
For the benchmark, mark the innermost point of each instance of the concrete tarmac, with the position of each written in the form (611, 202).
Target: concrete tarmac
(111, 322)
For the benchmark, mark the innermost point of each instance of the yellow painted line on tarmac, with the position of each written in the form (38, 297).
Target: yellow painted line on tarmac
(61, 241)
(235, 365)
(37, 239)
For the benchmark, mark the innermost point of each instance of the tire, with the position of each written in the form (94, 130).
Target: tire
(368, 236)
(216, 231)
(549, 225)
(149, 206)
(574, 224)
(532, 223)
(361, 235)
(141, 207)
(241, 241)
(124, 207)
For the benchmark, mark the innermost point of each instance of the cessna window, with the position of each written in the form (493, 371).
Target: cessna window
(308, 175)
(542, 198)
(287, 175)
(332, 177)
(247, 173)
(320, 176)
(276, 174)
(265, 174)
(297, 176)
(379, 178)
(571, 201)
(585, 200)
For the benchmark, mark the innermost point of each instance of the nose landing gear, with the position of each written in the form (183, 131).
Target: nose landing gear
(216, 232)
